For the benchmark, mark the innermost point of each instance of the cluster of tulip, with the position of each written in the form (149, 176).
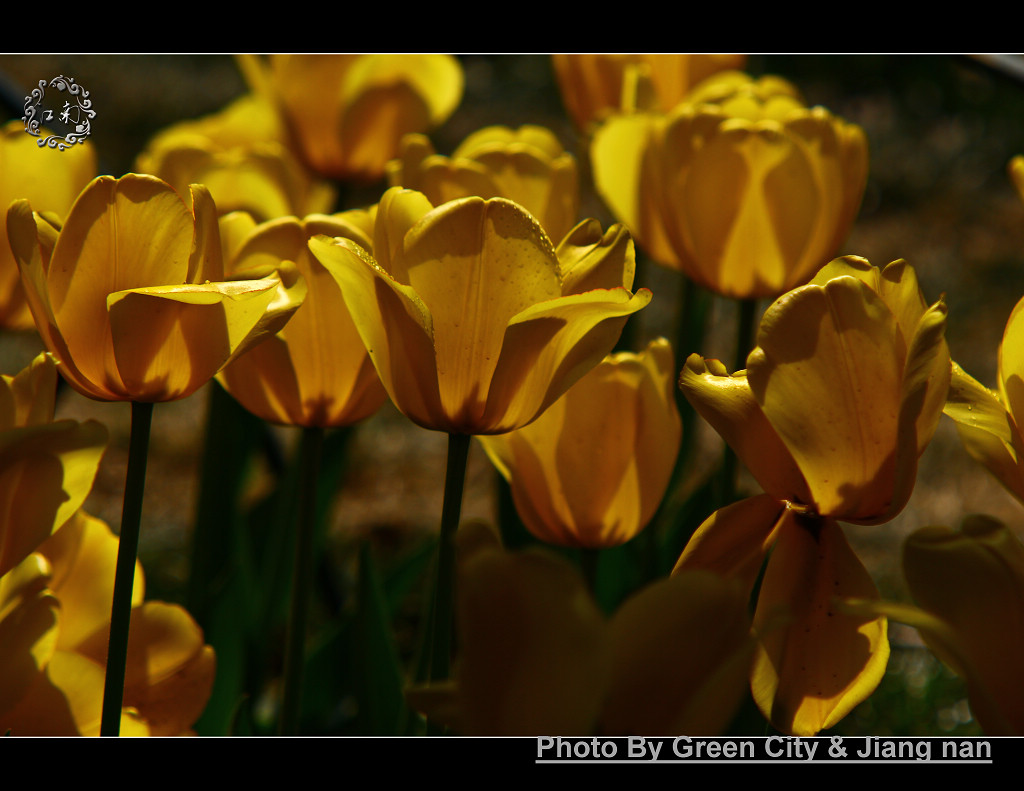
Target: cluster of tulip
(474, 297)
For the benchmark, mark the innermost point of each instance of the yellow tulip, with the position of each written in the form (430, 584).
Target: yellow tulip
(1017, 174)
(593, 85)
(837, 403)
(591, 470)
(46, 469)
(50, 180)
(127, 294)
(672, 660)
(348, 113)
(741, 187)
(527, 165)
(475, 322)
(315, 371)
(55, 616)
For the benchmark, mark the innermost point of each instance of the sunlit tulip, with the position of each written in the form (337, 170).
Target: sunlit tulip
(592, 85)
(1017, 174)
(55, 617)
(837, 403)
(46, 469)
(672, 660)
(591, 470)
(128, 293)
(50, 180)
(347, 113)
(526, 165)
(475, 322)
(741, 187)
(315, 371)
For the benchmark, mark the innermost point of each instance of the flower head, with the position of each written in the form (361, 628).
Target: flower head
(526, 165)
(475, 322)
(127, 293)
(838, 401)
(51, 183)
(347, 113)
(593, 468)
(594, 85)
(741, 187)
(315, 371)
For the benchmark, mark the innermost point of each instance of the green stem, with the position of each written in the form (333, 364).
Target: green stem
(310, 453)
(444, 591)
(124, 575)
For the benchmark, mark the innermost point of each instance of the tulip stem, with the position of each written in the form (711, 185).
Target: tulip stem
(747, 310)
(310, 454)
(444, 590)
(124, 575)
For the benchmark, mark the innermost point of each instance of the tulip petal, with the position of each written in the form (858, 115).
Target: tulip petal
(813, 671)
(28, 628)
(1011, 363)
(728, 404)
(28, 398)
(589, 259)
(986, 429)
(734, 540)
(192, 331)
(820, 348)
(974, 581)
(680, 658)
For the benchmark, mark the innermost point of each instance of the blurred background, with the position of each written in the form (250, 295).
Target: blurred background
(941, 131)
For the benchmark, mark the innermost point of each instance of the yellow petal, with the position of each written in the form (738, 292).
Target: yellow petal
(812, 672)
(828, 373)
(29, 615)
(974, 581)
(27, 399)
(728, 404)
(1011, 363)
(588, 259)
(681, 652)
(46, 472)
(734, 541)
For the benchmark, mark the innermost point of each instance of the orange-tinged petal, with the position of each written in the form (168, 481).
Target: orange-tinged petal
(974, 581)
(828, 374)
(27, 399)
(813, 671)
(734, 540)
(681, 652)
(539, 669)
(728, 404)
(589, 259)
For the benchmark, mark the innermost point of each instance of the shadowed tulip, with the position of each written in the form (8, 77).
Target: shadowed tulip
(315, 371)
(592, 469)
(60, 660)
(672, 660)
(128, 294)
(348, 113)
(741, 187)
(526, 165)
(593, 85)
(50, 180)
(475, 322)
(837, 403)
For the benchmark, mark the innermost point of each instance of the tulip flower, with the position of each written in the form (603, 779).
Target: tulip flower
(348, 113)
(1017, 174)
(837, 403)
(51, 181)
(46, 468)
(593, 85)
(55, 618)
(592, 469)
(475, 322)
(527, 165)
(127, 294)
(741, 187)
(315, 371)
(672, 660)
